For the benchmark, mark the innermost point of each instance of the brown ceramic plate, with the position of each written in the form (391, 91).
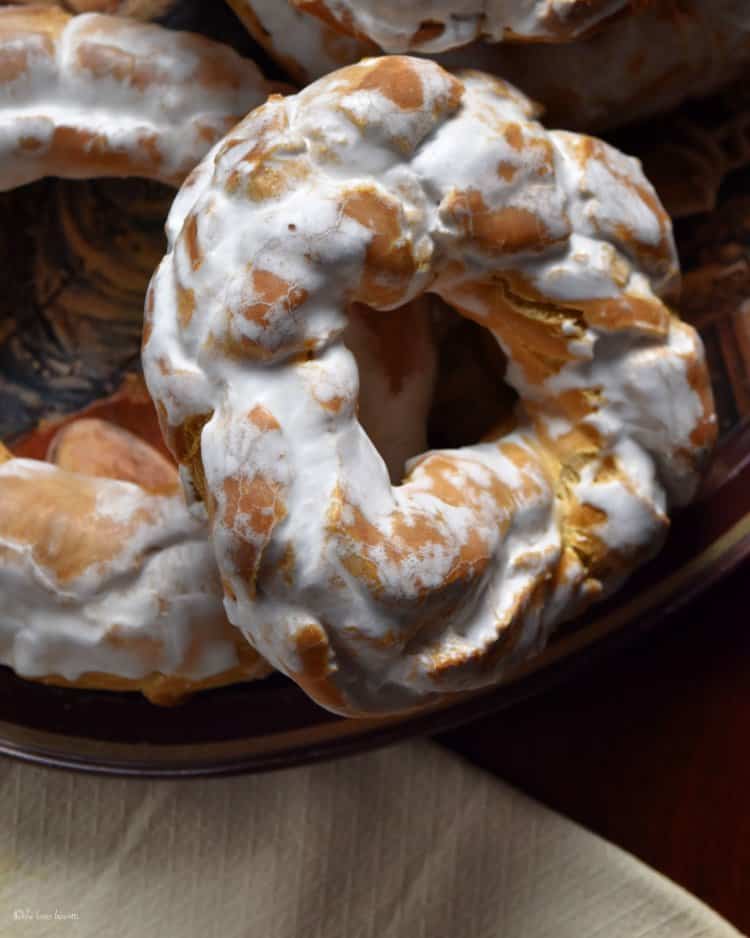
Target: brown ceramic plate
(270, 724)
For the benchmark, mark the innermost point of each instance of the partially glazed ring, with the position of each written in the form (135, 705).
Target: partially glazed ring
(649, 61)
(94, 95)
(379, 183)
(106, 580)
(306, 46)
(437, 25)
(134, 9)
(644, 63)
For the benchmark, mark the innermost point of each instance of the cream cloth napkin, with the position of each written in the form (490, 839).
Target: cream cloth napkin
(408, 842)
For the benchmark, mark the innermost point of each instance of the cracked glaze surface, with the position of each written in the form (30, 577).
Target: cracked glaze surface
(378, 183)
(94, 95)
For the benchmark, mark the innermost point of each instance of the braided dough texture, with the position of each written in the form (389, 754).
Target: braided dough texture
(437, 25)
(107, 583)
(373, 185)
(95, 95)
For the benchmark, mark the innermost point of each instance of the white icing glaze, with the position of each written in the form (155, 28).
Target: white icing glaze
(644, 63)
(96, 95)
(373, 185)
(437, 25)
(107, 578)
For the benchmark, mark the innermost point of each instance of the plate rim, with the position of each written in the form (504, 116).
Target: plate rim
(342, 738)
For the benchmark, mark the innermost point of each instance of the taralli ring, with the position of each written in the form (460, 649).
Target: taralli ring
(107, 582)
(437, 25)
(372, 186)
(646, 62)
(94, 95)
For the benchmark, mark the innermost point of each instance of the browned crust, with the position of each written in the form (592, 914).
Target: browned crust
(165, 690)
(95, 448)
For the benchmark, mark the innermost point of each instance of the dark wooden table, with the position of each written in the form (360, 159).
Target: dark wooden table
(652, 750)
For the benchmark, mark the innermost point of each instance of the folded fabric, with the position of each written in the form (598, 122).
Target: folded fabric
(407, 841)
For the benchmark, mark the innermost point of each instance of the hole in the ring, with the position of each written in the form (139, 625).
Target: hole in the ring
(80, 255)
(429, 379)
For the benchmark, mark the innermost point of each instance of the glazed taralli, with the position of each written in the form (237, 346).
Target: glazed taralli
(93, 95)
(135, 9)
(380, 182)
(638, 65)
(106, 583)
(303, 44)
(645, 63)
(437, 25)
